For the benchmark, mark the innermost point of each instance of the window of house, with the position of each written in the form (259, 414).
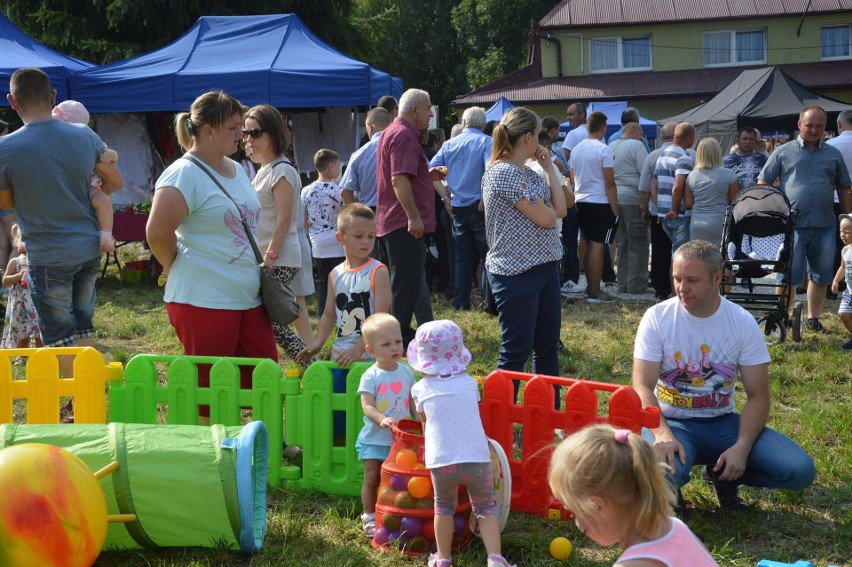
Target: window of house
(609, 54)
(734, 47)
(835, 42)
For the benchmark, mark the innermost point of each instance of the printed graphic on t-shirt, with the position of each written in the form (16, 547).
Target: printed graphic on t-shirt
(233, 222)
(354, 306)
(697, 382)
(389, 392)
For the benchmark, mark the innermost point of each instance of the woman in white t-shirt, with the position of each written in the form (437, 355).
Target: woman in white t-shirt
(209, 270)
(278, 188)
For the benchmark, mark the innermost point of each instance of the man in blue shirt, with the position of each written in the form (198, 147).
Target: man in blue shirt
(810, 172)
(360, 175)
(465, 157)
(746, 163)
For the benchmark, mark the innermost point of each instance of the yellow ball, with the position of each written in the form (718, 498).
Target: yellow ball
(561, 548)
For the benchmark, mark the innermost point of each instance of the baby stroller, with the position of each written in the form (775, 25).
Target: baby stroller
(757, 241)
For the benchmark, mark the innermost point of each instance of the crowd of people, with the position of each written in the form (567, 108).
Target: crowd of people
(520, 215)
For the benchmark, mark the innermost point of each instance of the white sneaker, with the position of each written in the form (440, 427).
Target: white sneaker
(571, 288)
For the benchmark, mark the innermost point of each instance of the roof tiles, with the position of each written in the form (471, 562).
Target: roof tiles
(693, 82)
(586, 13)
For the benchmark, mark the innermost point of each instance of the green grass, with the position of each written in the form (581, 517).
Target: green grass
(810, 402)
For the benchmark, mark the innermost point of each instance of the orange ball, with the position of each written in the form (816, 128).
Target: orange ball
(419, 486)
(406, 459)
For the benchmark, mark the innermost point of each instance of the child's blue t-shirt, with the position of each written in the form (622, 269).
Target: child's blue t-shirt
(390, 389)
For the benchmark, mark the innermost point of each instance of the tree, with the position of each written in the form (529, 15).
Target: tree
(413, 40)
(493, 35)
(102, 31)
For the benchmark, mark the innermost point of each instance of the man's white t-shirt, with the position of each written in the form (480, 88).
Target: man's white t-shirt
(699, 356)
(574, 137)
(588, 161)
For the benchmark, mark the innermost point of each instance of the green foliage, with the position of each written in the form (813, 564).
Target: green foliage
(102, 31)
(412, 40)
(493, 35)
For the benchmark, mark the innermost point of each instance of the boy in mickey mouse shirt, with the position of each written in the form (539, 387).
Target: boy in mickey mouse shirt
(358, 287)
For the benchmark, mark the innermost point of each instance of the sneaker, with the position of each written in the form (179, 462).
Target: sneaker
(368, 524)
(815, 326)
(571, 288)
(726, 492)
(497, 560)
(847, 345)
(600, 297)
(435, 561)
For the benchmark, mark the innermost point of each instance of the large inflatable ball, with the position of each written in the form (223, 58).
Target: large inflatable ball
(52, 510)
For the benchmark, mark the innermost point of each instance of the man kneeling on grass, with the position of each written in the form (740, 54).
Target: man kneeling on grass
(685, 361)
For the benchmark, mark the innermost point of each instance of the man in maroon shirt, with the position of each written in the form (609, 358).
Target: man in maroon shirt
(405, 209)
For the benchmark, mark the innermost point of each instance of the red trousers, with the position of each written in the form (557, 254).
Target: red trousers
(223, 332)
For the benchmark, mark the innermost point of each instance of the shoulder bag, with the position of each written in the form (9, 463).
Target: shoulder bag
(278, 299)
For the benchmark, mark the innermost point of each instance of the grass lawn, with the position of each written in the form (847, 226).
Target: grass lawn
(810, 403)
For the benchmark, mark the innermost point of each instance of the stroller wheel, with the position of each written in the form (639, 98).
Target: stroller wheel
(797, 322)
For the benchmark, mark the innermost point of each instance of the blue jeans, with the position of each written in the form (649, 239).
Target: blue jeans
(530, 312)
(775, 461)
(677, 231)
(470, 247)
(818, 247)
(64, 299)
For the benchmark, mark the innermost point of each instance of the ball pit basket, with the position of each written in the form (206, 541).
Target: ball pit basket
(405, 506)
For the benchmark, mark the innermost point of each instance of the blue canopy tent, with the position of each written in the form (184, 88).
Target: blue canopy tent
(258, 59)
(18, 50)
(613, 112)
(498, 109)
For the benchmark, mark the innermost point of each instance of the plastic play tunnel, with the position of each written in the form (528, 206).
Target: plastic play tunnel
(187, 485)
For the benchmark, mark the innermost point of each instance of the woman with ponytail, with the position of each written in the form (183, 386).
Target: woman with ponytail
(524, 246)
(618, 492)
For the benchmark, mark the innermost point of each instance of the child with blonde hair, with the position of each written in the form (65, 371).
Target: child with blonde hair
(456, 450)
(20, 329)
(617, 489)
(386, 385)
(74, 112)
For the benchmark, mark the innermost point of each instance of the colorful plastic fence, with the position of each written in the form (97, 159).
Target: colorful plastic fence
(42, 386)
(325, 419)
(539, 421)
(143, 397)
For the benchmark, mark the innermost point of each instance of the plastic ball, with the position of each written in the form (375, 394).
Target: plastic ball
(53, 511)
(561, 548)
(381, 536)
(406, 459)
(405, 500)
(411, 526)
(399, 482)
(420, 467)
(428, 530)
(419, 486)
(459, 523)
(393, 536)
(418, 544)
(387, 496)
(425, 504)
(391, 522)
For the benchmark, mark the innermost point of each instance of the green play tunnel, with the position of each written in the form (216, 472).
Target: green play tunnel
(187, 485)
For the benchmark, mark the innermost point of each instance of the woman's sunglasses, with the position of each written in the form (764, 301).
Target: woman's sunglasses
(253, 133)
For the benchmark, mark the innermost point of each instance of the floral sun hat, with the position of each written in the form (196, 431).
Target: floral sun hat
(438, 349)
(71, 111)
